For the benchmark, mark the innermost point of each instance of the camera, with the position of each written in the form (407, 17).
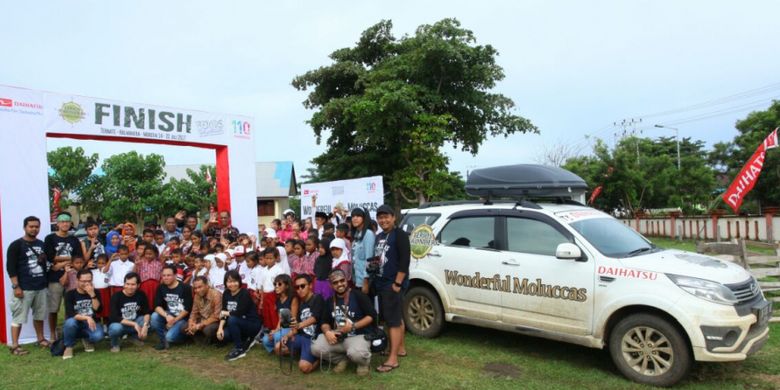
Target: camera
(285, 317)
(373, 267)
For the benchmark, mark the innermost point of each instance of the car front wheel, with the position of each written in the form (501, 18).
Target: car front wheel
(423, 313)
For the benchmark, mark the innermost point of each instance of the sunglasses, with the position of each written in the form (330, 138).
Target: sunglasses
(301, 286)
(339, 281)
(279, 284)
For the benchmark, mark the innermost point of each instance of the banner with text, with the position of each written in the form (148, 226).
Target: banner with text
(365, 192)
(748, 176)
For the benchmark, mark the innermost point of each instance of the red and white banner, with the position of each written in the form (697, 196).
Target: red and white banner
(748, 176)
(595, 194)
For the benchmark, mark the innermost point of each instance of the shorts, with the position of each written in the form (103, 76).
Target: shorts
(302, 345)
(33, 299)
(390, 307)
(56, 291)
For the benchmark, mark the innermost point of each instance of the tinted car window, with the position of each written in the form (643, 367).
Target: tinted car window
(475, 232)
(532, 236)
(413, 220)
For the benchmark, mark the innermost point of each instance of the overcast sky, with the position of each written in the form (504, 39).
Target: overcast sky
(572, 67)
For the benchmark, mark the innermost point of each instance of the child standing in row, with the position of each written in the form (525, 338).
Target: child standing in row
(149, 268)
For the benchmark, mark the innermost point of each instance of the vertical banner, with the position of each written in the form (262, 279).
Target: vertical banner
(365, 192)
(748, 176)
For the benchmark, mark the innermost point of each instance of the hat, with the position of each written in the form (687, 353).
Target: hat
(338, 243)
(358, 212)
(239, 251)
(230, 252)
(270, 233)
(288, 211)
(221, 256)
(339, 206)
(385, 209)
(63, 217)
(209, 258)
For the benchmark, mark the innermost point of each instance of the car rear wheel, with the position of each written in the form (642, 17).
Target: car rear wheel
(648, 349)
(423, 313)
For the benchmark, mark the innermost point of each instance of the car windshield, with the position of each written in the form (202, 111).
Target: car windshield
(612, 238)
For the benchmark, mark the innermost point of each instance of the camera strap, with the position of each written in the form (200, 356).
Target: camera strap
(345, 306)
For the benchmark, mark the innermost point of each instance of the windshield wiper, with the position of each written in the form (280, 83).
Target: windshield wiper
(640, 250)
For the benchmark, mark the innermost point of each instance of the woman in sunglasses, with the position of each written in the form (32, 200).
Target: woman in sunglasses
(285, 300)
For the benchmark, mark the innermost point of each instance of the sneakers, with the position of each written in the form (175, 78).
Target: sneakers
(362, 370)
(341, 366)
(115, 349)
(68, 353)
(248, 344)
(235, 354)
(88, 347)
(161, 346)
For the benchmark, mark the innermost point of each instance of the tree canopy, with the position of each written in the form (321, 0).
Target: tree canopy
(389, 105)
(70, 168)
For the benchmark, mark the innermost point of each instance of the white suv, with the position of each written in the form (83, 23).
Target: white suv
(568, 272)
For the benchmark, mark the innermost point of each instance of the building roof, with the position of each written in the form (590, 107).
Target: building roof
(274, 179)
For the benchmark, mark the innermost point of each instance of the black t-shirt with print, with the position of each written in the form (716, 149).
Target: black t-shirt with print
(54, 246)
(239, 305)
(100, 249)
(308, 309)
(174, 300)
(78, 303)
(26, 260)
(128, 308)
(358, 307)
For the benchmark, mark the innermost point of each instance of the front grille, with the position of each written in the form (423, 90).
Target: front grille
(745, 291)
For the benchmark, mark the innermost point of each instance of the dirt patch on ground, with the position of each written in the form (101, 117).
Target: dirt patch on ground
(502, 370)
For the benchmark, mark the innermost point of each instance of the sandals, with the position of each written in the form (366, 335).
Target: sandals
(18, 351)
(386, 367)
(44, 343)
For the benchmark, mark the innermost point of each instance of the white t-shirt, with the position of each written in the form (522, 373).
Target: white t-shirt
(100, 279)
(217, 278)
(269, 276)
(256, 276)
(117, 272)
(243, 271)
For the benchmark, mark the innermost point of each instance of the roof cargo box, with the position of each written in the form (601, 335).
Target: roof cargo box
(525, 180)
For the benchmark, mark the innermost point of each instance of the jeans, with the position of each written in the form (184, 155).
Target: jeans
(173, 335)
(277, 337)
(116, 330)
(239, 329)
(74, 329)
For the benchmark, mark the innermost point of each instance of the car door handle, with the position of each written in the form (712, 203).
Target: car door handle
(511, 262)
(434, 254)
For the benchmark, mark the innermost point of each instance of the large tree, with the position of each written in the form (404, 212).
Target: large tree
(641, 173)
(388, 105)
(192, 194)
(70, 170)
(732, 156)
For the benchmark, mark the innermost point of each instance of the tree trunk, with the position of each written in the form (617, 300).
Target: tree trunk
(421, 198)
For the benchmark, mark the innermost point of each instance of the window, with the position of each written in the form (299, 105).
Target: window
(413, 220)
(532, 236)
(265, 208)
(476, 232)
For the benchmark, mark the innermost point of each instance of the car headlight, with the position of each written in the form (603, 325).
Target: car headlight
(705, 289)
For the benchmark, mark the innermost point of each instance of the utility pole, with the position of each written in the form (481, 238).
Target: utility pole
(631, 123)
(676, 137)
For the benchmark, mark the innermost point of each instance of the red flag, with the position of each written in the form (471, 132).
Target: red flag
(56, 196)
(748, 176)
(594, 195)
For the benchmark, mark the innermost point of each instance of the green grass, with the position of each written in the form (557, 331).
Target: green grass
(455, 360)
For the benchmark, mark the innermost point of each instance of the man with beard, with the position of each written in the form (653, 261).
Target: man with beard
(346, 317)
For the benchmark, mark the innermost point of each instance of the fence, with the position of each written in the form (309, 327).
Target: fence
(710, 227)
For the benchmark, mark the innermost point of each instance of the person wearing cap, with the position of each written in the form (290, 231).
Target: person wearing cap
(363, 240)
(60, 247)
(393, 250)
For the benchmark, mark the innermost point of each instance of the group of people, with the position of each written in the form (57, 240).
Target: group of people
(314, 289)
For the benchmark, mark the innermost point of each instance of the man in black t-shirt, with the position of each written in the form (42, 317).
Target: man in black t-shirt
(310, 311)
(393, 251)
(172, 309)
(344, 322)
(26, 267)
(129, 313)
(81, 305)
(60, 247)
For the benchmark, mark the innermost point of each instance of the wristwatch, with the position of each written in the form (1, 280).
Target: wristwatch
(397, 284)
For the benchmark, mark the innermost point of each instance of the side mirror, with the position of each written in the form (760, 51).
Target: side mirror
(568, 251)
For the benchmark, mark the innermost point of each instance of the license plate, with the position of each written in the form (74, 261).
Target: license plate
(763, 313)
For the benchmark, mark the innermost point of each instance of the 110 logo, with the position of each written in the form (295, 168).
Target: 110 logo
(242, 128)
